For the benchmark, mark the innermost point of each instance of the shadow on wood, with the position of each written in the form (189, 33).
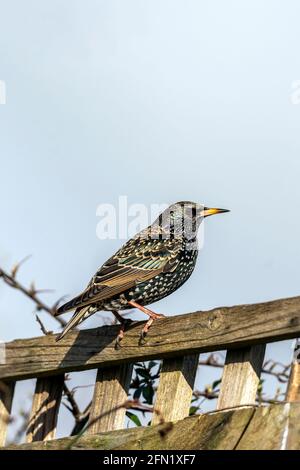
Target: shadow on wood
(273, 427)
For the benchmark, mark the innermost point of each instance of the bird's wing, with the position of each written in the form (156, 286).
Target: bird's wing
(137, 261)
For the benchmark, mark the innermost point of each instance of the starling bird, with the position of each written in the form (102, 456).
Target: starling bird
(150, 266)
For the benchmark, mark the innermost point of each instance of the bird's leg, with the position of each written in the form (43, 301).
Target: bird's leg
(117, 316)
(124, 322)
(153, 316)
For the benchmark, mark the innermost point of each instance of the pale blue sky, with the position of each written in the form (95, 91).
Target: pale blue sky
(160, 101)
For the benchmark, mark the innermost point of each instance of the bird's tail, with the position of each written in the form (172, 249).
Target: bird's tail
(79, 315)
(69, 305)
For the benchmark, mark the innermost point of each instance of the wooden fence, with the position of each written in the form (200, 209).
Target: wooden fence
(242, 330)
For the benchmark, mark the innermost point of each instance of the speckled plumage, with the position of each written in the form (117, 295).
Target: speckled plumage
(149, 267)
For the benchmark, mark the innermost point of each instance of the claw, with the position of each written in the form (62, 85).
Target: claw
(153, 316)
(147, 327)
(142, 339)
(125, 322)
(118, 342)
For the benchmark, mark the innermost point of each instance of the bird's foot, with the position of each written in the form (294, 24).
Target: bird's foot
(148, 324)
(153, 316)
(120, 336)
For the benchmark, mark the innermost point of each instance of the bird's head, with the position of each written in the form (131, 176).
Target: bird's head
(192, 210)
(184, 217)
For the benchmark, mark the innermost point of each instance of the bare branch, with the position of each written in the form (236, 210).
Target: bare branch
(43, 328)
(10, 279)
(17, 266)
(31, 292)
(270, 367)
(74, 408)
(211, 395)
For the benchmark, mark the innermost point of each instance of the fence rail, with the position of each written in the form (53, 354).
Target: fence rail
(198, 332)
(272, 428)
(242, 330)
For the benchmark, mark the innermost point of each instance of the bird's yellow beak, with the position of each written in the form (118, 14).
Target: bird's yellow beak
(212, 211)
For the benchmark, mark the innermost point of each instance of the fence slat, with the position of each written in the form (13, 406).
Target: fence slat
(174, 393)
(111, 390)
(293, 388)
(45, 407)
(6, 398)
(241, 376)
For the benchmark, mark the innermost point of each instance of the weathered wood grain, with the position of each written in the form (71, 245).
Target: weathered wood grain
(221, 328)
(221, 430)
(6, 398)
(240, 377)
(45, 407)
(292, 437)
(111, 390)
(175, 389)
(293, 388)
(264, 428)
(268, 429)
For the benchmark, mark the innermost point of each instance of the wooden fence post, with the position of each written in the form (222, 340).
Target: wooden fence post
(111, 390)
(241, 376)
(293, 388)
(6, 397)
(175, 389)
(45, 407)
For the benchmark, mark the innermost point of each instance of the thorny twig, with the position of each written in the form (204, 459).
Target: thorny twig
(73, 408)
(43, 328)
(268, 368)
(22, 428)
(31, 292)
(82, 421)
(10, 280)
(211, 395)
